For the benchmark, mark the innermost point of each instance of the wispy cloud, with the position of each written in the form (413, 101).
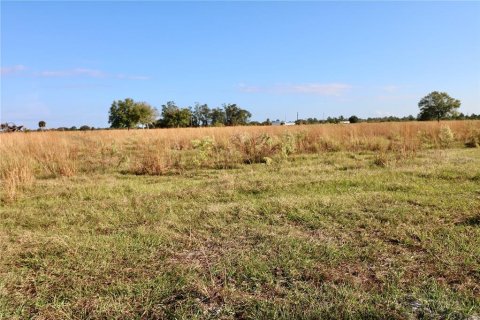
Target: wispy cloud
(12, 69)
(390, 88)
(322, 89)
(130, 77)
(395, 97)
(92, 73)
(391, 93)
(69, 73)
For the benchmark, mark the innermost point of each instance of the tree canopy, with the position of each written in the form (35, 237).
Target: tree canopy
(128, 114)
(437, 105)
(174, 116)
(235, 115)
(147, 115)
(217, 117)
(201, 115)
(353, 119)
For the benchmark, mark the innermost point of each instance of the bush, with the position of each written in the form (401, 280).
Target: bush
(255, 149)
(204, 148)
(445, 137)
(473, 140)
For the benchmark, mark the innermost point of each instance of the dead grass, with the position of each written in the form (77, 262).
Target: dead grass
(165, 151)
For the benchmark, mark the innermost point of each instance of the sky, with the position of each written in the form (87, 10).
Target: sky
(66, 62)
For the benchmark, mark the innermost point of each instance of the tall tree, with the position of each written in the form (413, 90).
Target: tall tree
(175, 117)
(217, 117)
(146, 113)
(353, 119)
(128, 114)
(122, 115)
(437, 105)
(235, 115)
(201, 115)
(42, 124)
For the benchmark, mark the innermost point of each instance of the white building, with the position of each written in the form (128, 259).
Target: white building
(282, 123)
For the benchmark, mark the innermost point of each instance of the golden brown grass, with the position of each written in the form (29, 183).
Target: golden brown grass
(26, 156)
(359, 222)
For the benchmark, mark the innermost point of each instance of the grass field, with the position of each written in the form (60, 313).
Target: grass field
(377, 221)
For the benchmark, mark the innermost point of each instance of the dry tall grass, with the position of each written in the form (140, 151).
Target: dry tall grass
(26, 156)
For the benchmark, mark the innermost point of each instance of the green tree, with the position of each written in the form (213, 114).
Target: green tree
(437, 105)
(235, 115)
(42, 124)
(353, 119)
(122, 114)
(217, 117)
(145, 113)
(201, 115)
(175, 117)
(128, 114)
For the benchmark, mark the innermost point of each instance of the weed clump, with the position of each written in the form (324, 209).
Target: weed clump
(473, 139)
(151, 164)
(16, 174)
(381, 159)
(203, 151)
(445, 137)
(254, 149)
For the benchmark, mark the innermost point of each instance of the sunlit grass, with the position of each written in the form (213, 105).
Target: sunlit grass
(372, 221)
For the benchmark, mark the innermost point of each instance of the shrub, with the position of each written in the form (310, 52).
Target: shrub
(255, 149)
(473, 140)
(445, 136)
(288, 145)
(151, 164)
(381, 159)
(204, 150)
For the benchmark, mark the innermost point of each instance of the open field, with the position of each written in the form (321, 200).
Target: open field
(378, 221)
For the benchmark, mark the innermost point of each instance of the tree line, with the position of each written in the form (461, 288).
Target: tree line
(355, 119)
(130, 114)
(434, 106)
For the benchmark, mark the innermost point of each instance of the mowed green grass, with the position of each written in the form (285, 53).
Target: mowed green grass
(327, 236)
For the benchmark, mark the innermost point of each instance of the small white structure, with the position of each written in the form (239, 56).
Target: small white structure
(282, 123)
(345, 122)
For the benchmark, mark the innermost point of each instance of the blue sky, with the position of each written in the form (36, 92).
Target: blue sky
(65, 62)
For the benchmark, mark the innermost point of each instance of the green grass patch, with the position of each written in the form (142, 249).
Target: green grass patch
(329, 236)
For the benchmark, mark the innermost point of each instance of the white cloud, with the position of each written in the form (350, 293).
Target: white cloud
(70, 73)
(395, 97)
(249, 89)
(327, 89)
(92, 73)
(391, 88)
(123, 76)
(12, 69)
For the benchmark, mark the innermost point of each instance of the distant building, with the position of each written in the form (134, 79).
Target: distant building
(282, 123)
(345, 122)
